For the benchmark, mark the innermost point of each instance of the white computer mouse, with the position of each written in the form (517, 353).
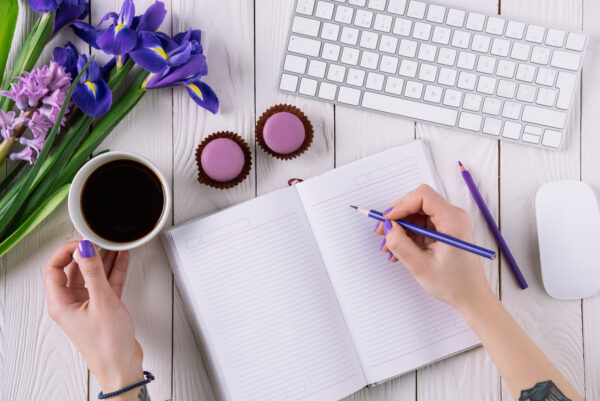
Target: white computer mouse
(568, 224)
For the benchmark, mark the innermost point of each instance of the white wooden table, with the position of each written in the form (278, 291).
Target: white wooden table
(243, 40)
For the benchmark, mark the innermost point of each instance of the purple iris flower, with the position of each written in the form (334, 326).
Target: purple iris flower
(176, 61)
(66, 10)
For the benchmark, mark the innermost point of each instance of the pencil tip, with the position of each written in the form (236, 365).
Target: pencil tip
(460, 163)
(354, 207)
(462, 168)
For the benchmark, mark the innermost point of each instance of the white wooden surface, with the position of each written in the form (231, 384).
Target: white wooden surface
(243, 40)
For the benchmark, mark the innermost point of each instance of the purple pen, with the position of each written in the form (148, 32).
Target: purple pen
(489, 219)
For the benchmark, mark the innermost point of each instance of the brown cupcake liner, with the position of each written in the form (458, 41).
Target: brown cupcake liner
(308, 129)
(203, 178)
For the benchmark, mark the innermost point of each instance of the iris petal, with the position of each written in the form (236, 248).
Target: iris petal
(87, 33)
(93, 98)
(204, 96)
(153, 59)
(117, 41)
(112, 15)
(153, 17)
(68, 12)
(181, 56)
(127, 13)
(195, 67)
(67, 57)
(43, 6)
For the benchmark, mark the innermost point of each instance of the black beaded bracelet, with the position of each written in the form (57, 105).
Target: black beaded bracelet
(149, 377)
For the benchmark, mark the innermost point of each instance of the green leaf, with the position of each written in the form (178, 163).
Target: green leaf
(15, 204)
(36, 218)
(9, 10)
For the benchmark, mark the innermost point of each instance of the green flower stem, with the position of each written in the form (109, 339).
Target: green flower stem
(30, 52)
(9, 10)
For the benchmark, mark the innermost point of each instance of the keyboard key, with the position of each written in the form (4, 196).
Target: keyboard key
(324, 10)
(397, 7)
(427, 52)
(413, 89)
(349, 96)
(520, 51)
(427, 72)
(305, 26)
(378, 5)
(495, 25)
(552, 138)
(535, 34)
(555, 38)
(471, 122)
(475, 22)
(486, 85)
(543, 116)
(317, 68)
(566, 60)
(394, 85)
(331, 52)
(295, 64)
(492, 106)
(350, 56)
(408, 48)
(360, 3)
(506, 89)
(461, 39)
(575, 41)
(422, 31)
(456, 18)
(486, 64)
(383, 23)
(566, 86)
(512, 130)
(344, 14)
(349, 36)
(308, 87)
(546, 97)
(452, 98)
(540, 55)
(506, 69)
(355, 77)
(288, 83)
(363, 18)
(433, 94)
(369, 60)
(472, 102)
(526, 93)
(500, 47)
(481, 43)
(467, 80)
(515, 30)
(388, 64)
(336, 73)
(402, 27)
(410, 109)
(375, 81)
(441, 35)
(436, 13)
(305, 7)
(447, 76)
(525, 72)
(546, 77)
(369, 40)
(447, 56)
(532, 134)
(330, 31)
(327, 91)
(416, 9)
(408, 68)
(466, 60)
(388, 44)
(492, 126)
(511, 110)
(308, 47)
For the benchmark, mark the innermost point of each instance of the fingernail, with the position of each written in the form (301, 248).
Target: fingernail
(86, 249)
(387, 226)
(382, 244)
(388, 210)
(377, 226)
(390, 255)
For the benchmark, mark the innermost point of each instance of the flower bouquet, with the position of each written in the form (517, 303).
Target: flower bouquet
(52, 118)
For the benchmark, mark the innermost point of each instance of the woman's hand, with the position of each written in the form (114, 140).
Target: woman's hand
(85, 300)
(448, 273)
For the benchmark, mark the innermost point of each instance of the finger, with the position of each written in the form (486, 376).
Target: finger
(425, 199)
(405, 249)
(108, 259)
(55, 279)
(74, 277)
(119, 272)
(92, 270)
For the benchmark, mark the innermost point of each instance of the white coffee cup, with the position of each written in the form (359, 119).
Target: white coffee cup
(76, 213)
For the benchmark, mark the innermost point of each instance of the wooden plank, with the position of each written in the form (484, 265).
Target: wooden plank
(445, 380)
(228, 41)
(590, 173)
(272, 24)
(554, 325)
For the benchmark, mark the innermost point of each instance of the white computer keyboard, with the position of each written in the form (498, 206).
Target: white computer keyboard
(433, 63)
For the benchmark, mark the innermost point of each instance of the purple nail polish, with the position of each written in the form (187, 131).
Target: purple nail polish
(377, 226)
(390, 255)
(387, 226)
(382, 244)
(388, 210)
(86, 249)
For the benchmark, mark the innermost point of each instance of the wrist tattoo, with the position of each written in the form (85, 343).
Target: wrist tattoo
(544, 391)
(143, 394)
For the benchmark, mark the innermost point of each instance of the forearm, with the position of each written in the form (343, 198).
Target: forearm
(520, 362)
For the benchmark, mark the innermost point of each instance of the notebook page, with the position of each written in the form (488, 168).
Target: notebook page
(396, 326)
(267, 311)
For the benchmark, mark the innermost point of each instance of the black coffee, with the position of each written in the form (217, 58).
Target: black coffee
(122, 200)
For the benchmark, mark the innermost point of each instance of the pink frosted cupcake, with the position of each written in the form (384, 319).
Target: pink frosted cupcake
(224, 160)
(283, 131)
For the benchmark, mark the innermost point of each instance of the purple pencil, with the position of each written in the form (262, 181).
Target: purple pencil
(493, 226)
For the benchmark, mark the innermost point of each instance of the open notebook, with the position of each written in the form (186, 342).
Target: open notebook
(292, 298)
